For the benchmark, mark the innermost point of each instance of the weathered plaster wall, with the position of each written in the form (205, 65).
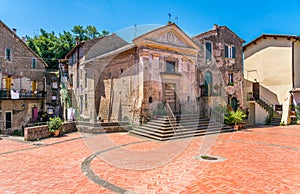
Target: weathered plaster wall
(269, 62)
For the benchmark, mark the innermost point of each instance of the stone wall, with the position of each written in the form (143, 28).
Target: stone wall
(39, 132)
(21, 112)
(21, 57)
(36, 133)
(220, 66)
(19, 69)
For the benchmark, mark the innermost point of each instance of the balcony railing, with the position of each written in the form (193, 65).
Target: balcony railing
(9, 94)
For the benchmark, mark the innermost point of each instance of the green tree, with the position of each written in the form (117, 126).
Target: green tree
(44, 45)
(92, 32)
(51, 48)
(80, 32)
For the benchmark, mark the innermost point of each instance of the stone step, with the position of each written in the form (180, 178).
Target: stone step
(185, 126)
(166, 120)
(167, 130)
(181, 135)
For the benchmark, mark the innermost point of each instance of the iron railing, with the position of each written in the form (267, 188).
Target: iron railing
(6, 94)
(170, 116)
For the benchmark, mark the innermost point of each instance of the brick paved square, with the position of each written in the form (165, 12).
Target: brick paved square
(258, 160)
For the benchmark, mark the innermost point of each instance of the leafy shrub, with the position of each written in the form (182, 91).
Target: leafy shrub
(55, 124)
(234, 118)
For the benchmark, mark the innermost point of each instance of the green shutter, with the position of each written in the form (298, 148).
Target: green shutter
(233, 51)
(8, 54)
(226, 51)
(33, 63)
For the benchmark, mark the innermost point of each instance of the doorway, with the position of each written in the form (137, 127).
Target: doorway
(255, 88)
(8, 120)
(170, 95)
(252, 114)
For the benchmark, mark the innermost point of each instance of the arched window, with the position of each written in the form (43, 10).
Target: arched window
(207, 83)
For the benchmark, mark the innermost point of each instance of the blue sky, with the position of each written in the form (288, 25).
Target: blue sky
(249, 19)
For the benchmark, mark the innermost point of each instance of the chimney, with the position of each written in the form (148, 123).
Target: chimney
(215, 26)
(14, 30)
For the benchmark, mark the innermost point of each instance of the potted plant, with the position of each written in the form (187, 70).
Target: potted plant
(235, 118)
(297, 108)
(55, 126)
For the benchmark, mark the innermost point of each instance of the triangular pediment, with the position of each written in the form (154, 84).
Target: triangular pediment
(167, 37)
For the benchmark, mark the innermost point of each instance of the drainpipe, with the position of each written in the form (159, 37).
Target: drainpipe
(293, 62)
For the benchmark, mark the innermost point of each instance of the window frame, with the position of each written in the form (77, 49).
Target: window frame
(85, 101)
(230, 51)
(167, 64)
(230, 78)
(33, 65)
(8, 57)
(85, 79)
(208, 60)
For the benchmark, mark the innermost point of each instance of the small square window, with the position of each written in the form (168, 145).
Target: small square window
(54, 85)
(50, 111)
(170, 66)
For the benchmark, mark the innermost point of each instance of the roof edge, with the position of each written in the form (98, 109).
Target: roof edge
(264, 36)
(24, 43)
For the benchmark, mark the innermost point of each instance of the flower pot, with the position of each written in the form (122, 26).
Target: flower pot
(236, 127)
(56, 133)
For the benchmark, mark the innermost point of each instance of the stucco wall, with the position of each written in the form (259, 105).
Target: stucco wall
(269, 62)
(297, 64)
(260, 114)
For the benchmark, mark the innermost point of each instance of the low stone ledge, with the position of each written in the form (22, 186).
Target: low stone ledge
(103, 127)
(40, 132)
(37, 132)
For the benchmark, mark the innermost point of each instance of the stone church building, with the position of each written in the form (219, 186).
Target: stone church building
(116, 79)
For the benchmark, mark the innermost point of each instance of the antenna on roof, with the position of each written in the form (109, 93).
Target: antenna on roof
(176, 19)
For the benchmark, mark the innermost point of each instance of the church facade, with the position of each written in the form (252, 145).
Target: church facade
(121, 80)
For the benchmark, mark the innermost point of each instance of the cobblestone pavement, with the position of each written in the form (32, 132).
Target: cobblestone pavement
(258, 160)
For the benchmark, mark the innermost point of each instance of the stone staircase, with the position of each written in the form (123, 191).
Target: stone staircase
(276, 119)
(265, 105)
(185, 126)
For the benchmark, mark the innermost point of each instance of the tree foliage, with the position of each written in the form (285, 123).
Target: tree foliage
(51, 47)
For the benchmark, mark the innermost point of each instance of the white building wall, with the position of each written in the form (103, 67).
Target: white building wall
(260, 114)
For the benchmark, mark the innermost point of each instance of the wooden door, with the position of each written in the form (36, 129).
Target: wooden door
(8, 82)
(255, 88)
(8, 120)
(170, 95)
(33, 86)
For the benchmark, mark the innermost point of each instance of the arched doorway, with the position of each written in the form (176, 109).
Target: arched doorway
(234, 103)
(207, 83)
